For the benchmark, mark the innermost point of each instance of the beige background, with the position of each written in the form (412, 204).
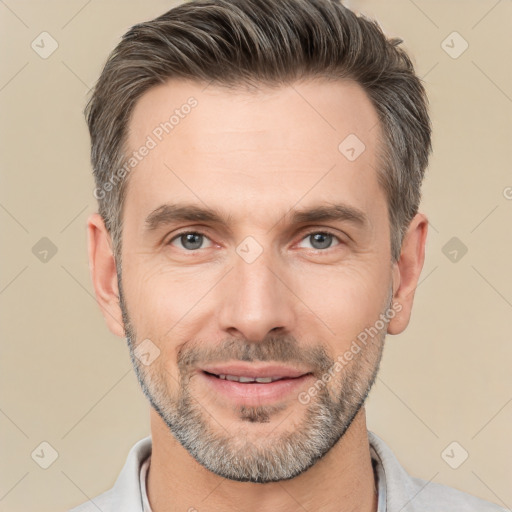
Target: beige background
(67, 381)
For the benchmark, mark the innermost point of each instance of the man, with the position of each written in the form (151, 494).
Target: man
(258, 166)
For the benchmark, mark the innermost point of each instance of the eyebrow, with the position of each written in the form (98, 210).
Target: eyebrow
(171, 213)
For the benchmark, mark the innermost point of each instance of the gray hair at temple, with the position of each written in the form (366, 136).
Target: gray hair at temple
(249, 43)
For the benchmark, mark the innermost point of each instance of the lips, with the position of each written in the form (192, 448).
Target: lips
(248, 385)
(254, 374)
(246, 380)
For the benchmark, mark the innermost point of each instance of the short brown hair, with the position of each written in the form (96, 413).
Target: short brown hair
(255, 42)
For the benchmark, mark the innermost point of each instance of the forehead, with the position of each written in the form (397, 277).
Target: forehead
(209, 144)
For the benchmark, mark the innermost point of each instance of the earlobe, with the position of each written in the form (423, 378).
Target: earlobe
(102, 266)
(407, 270)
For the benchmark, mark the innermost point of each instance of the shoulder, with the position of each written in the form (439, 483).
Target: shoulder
(126, 495)
(409, 494)
(431, 497)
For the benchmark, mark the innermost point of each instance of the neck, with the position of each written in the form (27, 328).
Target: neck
(342, 481)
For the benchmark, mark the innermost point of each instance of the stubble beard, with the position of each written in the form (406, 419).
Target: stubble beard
(250, 453)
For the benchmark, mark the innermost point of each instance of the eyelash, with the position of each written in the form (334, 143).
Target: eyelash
(306, 235)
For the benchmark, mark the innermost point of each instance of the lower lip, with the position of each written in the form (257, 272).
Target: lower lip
(255, 393)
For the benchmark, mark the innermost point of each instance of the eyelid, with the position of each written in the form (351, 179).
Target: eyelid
(325, 231)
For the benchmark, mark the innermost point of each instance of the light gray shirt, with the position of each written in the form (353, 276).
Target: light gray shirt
(397, 490)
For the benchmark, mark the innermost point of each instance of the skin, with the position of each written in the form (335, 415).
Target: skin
(256, 156)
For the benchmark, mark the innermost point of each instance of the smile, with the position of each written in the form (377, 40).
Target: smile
(245, 380)
(253, 385)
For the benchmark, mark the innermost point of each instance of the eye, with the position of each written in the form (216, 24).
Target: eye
(189, 240)
(321, 240)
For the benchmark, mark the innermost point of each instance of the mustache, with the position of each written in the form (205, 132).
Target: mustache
(273, 348)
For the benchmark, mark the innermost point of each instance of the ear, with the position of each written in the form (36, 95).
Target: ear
(407, 270)
(103, 272)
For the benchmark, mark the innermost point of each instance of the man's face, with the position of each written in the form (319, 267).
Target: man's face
(258, 291)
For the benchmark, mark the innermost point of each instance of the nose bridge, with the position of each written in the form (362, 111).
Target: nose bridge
(255, 300)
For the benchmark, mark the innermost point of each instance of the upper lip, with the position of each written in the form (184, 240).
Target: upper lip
(254, 371)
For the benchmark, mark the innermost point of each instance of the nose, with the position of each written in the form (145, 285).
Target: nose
(256, 299)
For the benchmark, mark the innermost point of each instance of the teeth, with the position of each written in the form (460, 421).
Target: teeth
(261, 380)
(264, 379)
(245, 379)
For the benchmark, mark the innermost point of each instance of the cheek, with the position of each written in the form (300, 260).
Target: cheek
(161, 307)
(162, 301)
(347, 300)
